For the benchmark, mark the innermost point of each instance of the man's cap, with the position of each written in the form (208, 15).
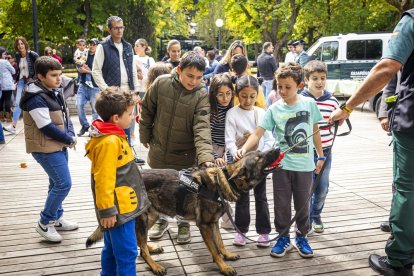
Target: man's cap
(94, 41)
(298, 42)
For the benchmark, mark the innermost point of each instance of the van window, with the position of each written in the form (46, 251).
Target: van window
(327, 51)
(364, 49)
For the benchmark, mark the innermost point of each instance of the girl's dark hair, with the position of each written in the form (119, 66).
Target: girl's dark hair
(2, 50)
(246, 81)
(218, 81)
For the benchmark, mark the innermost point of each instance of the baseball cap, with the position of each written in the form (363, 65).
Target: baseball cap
(94, 41)
(298, 42)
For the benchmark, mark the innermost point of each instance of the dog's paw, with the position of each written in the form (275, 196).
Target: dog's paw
(232, 257)
(159, 270)
(228, 271)
(155, 249)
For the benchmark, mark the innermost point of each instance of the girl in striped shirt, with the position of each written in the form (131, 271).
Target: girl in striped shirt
(315, 78)
(221, 93)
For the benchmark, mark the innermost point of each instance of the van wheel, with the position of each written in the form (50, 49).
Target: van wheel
(377, 105)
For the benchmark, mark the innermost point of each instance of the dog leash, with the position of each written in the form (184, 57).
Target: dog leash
(315, 186)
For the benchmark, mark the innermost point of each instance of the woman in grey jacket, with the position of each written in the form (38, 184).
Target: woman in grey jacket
(6, 83)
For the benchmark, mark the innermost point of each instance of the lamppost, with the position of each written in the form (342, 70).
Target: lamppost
(35, 31)
(219, 24)
(193, 27)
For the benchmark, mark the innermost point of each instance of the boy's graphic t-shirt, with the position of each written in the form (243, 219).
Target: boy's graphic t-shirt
(293, 124)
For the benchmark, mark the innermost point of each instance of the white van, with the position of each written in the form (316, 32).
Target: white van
(349, 59)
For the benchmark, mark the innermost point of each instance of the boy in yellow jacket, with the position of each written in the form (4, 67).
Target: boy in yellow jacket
(117, 185)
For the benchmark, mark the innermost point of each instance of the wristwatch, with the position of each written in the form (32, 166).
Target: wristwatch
(346, 109)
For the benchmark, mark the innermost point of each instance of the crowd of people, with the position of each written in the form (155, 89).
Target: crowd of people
(192, 109)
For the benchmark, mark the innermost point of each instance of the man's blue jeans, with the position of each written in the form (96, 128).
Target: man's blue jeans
(120, 251)
(319, 196)
(56, 166)
(17, 111)
(86, 94)
(267, 88)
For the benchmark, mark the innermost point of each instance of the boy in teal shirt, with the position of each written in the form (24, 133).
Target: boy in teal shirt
(294, 118)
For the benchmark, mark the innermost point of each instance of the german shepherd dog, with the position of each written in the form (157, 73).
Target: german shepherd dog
(161, 184)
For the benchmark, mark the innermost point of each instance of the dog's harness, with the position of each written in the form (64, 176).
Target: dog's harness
(188, 185)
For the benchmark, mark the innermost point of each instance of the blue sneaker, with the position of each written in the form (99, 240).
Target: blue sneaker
(282, 246)
(302, 245)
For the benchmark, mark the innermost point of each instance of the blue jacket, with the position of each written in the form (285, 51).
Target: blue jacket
(111, 71)
(6, 75)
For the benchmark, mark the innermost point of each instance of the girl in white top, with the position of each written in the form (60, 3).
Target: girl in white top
(242, 120)
(144, 62)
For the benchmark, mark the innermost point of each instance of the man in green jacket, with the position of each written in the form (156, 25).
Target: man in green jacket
(175, 126)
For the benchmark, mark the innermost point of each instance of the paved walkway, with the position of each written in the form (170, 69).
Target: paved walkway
(358, 201)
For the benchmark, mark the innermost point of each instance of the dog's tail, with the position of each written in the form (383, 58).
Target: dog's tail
(96, 236)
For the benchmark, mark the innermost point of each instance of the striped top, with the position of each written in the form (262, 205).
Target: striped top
(217, 123)
(327, 103)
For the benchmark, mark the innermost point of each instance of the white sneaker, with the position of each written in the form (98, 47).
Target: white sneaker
(65, 225)
(10, 128)
(226, 223)
(48, 232)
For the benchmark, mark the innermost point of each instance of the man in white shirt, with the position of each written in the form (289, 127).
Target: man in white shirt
(113, 64)
(291, 55)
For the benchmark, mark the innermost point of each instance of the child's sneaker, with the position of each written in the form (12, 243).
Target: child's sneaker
(10, 128)
(239, 240)
(48, 232)
(158, 229)
(263, 240)
(317, 226)
(282, 246)
(226, 223)
(65, 225)
(302, 245)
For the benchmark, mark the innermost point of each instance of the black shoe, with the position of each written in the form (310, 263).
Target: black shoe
(385, 227)
(380, 264)
(139, 161)
(83, 130)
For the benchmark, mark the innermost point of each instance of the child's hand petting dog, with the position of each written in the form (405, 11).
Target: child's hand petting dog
(108, 222)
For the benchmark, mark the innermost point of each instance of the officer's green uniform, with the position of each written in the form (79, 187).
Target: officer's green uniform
(400, 246)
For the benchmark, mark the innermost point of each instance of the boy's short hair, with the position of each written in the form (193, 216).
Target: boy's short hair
(266, 45)
(238, 64)
(193, 59)
(315, 66)
(292, 70)
(45, 64)
(112, 101)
